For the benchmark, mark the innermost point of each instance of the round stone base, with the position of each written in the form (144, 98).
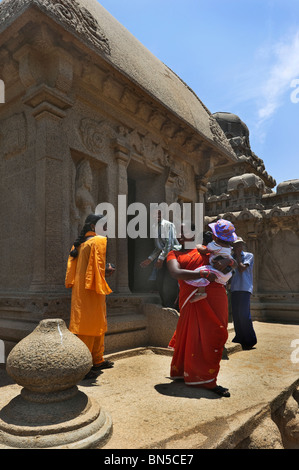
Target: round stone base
(26, 425)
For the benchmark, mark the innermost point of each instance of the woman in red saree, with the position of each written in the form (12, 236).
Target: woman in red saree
(202, 326)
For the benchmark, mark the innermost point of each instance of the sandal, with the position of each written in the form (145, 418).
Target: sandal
(221, 391)
(103, 365)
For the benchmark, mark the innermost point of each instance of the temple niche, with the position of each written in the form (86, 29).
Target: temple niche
(267, 219)
(84, 201)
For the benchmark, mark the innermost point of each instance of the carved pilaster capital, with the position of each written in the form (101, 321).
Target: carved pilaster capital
(201, 183)
(121, 151)
(47, 100)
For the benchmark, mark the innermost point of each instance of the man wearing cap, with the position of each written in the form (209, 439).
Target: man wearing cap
(241, 290)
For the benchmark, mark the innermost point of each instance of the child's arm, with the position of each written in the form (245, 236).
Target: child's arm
(202, 249)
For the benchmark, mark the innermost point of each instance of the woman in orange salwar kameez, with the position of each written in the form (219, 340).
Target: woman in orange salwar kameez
(202, 326)
(85, 274)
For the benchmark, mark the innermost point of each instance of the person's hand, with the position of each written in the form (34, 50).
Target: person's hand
(211, 277)
(206, 274)
(242, 267)
(110, 269)
(202, 249)
(159, 263)
(221, 264)
(145, 263)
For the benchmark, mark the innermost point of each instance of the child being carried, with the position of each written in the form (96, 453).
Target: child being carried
(220, 248)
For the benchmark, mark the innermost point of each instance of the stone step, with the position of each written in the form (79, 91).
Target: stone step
(132, 330)
(125, 331)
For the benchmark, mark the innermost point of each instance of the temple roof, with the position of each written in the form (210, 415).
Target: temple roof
(96, 27)
(234, 120)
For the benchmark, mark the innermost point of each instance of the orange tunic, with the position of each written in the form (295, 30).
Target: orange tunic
(86, 276)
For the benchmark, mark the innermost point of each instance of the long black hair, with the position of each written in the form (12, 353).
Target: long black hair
(91, 219)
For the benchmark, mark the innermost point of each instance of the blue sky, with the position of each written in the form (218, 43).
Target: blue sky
(239, 56)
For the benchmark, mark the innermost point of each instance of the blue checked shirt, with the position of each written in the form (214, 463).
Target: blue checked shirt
(243, 281)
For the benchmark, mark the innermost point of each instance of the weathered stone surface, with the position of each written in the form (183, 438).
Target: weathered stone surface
(164, 415)
(265, 436)
(287, 418)
(49, 359)
(50, 411)
(162, 324)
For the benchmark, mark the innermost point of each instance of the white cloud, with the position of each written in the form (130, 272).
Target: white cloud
(284, 68)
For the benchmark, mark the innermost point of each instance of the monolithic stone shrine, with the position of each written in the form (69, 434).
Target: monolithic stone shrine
(268, 220)
(91, 114)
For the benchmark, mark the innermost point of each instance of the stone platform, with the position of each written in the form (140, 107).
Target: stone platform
(150, 411)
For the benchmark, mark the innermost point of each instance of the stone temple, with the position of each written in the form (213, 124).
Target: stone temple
(91, 114)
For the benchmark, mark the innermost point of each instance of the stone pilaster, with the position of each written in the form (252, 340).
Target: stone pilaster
(49, 109)
(122, 160)
(47, 95)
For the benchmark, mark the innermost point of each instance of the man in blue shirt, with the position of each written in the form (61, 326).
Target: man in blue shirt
(241, 290)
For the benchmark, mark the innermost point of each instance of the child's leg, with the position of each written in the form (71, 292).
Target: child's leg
(201, 281)
(199, 295)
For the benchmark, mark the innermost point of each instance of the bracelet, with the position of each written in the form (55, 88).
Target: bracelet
(205, 273)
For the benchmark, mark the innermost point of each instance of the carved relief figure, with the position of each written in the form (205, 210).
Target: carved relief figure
(84, 201)
(279, 273)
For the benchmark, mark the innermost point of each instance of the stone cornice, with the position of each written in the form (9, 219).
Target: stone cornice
(276, 213)
(69, 13)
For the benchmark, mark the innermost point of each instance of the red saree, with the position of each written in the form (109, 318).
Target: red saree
(202, 328)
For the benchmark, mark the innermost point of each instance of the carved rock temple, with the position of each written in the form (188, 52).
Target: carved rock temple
(267, 219)
(91, 114)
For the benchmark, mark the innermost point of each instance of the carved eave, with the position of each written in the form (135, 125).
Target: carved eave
(276, 215)
(69, 14)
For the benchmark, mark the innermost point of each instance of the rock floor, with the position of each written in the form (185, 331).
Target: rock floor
(150, 411)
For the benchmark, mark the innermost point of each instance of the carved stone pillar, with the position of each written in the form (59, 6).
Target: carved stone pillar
(122, 274)
(207, 167)
(51, 149)
(46, 73)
